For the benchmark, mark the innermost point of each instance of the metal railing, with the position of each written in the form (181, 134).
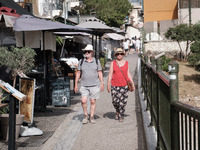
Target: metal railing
(177, 124)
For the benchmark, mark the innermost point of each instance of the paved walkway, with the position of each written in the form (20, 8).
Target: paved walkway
(107, 133)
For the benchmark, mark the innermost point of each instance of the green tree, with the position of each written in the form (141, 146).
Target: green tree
(17, 59)
(112, 12)
(181, 33)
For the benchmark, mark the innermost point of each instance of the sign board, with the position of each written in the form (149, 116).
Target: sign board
(27, 86)
(61, 91)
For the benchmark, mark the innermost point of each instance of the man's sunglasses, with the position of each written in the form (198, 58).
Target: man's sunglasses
(119, 54)
(86, 52)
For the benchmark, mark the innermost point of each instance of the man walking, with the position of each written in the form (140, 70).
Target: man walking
(90, 71)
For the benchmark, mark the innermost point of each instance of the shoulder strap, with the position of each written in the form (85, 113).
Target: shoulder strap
(121, 70)
(81, 62)
(96, 61)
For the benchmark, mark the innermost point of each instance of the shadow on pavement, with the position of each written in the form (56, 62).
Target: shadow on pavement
(111, 115)
(80, 117)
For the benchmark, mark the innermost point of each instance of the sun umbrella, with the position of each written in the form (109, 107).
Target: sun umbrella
(97, 25)
(30, 23)
(99, 28)
(114, 36)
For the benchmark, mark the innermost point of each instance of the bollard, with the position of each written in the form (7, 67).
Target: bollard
(145, 58)
(153, 60)
(173, 76)
(174, 96)
(159, 64)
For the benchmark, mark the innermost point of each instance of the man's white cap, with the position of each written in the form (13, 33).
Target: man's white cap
(89, 47)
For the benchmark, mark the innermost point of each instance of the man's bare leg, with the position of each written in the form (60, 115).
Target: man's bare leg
(92, 110)
(84, 106)
(92, 107)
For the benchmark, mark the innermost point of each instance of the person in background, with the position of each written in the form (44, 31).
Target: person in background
(132, 46)
(126, 46)
(137, 44)
(117, 84)
(90, 71)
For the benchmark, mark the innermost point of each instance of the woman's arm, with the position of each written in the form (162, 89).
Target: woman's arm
(110, 76)
(130, 78)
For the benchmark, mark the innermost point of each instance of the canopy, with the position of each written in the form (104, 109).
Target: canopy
(114, 36)
(97, 25)
(30, 23)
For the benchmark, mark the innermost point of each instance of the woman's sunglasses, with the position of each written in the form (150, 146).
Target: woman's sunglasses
(119, 54)
(84, 52)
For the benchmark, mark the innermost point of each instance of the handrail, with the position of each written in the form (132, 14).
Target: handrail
(187, 109)
(177, 124)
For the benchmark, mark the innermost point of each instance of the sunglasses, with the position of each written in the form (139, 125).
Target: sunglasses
(119, 54)
(86, 52)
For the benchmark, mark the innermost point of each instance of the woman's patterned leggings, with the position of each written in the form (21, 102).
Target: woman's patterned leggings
(119, 98)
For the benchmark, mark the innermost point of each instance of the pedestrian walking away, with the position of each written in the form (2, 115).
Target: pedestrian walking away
(137, 43)
(90, 72)
(126, 46)
(117, 83)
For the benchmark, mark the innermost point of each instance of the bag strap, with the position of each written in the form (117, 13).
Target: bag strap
(121, 71)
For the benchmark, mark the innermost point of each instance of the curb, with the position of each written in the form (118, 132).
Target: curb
(149, 131)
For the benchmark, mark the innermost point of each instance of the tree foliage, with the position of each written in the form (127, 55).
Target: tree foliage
(17, 59)
(194, 58)
(112, 12)
(181, 33)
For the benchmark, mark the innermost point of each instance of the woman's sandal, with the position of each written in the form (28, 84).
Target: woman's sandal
(121, 120)
(116, 116)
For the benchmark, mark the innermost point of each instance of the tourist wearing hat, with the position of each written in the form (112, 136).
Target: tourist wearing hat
(117, 83)
(90, 71)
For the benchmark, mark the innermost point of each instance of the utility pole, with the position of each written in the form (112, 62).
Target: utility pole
(65, 10)
(190, 20)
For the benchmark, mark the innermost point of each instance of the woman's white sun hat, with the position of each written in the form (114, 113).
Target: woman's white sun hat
(89, 47)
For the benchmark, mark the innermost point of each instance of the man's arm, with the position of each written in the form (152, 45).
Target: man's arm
(100, 74)
(78, 73)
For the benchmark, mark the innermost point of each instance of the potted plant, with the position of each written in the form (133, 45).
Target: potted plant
(18, 60)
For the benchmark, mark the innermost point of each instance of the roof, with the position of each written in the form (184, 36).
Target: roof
(13, 5)
(8, 11)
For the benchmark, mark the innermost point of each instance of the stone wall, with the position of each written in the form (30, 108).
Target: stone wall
(169, 47)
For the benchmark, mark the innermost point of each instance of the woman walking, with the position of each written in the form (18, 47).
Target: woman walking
(118, 76)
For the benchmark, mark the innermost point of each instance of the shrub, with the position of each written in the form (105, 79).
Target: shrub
(194, 58)
(102, 61)
(165, 63)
